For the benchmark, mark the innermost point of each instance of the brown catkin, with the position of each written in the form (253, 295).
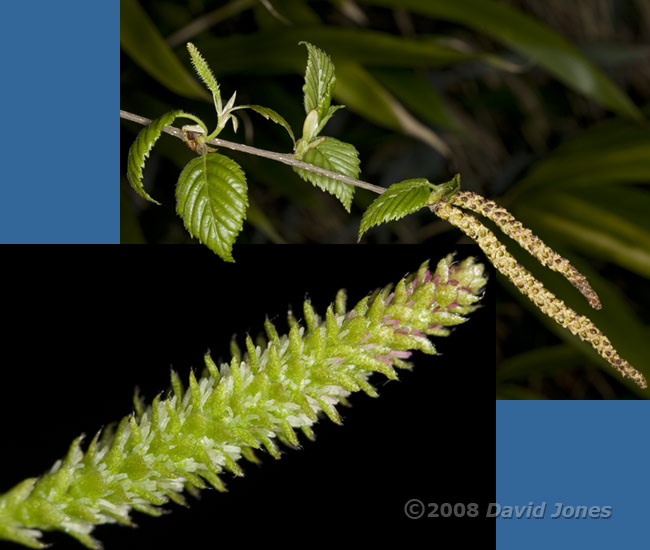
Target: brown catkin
(528, 285)
(527, 240)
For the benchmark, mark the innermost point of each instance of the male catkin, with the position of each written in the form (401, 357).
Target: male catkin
(191, 437)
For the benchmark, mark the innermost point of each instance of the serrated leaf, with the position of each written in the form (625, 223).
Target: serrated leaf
(319, 80)
(212, 197)
(399, 200)
(336, 156)
(270, 114)
(139, 151)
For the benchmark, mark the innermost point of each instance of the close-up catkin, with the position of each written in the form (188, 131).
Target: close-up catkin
(190, 437)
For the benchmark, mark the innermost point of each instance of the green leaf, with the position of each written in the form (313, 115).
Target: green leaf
(141, 148)
(319, 80)
(143, 43)
(399, 200)
(211, 197)
(270, 114)
(203, 70)
(336, 156)
(528, 36)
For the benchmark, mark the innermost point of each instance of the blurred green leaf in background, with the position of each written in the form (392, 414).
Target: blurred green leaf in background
(542, 106)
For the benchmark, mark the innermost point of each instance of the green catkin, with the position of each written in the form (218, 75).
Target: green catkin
(198, 432)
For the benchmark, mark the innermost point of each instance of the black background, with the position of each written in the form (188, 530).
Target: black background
(83, 326)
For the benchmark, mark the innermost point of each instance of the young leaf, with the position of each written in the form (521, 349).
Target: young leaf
(336, 156)
(270, 114)
(139, 151)
(203, 70)
(396, 202)
(211, 197)
(310, 126)
(319, 80)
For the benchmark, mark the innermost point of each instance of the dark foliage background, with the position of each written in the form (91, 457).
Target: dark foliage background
(539, 105)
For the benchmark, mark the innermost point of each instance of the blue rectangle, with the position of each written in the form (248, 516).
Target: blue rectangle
(60, 141)
(573, 453)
